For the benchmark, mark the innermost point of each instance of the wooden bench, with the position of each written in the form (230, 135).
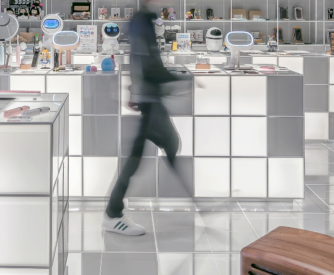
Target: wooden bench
(289, 251)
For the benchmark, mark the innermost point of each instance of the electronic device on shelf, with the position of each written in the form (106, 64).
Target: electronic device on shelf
(279, 34)
(50, 25)
(283, 13)
(237, 41)
(67, 41)
(209, 14)
(110, 33)
(298, 13)
(214, 39)
(330, 14)
(297, 35)
(35, 58)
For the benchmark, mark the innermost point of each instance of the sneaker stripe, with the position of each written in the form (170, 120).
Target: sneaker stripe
(119, 228)
(117, 224)
(125, 228)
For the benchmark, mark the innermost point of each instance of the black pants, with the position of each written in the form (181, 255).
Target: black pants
(157, 127)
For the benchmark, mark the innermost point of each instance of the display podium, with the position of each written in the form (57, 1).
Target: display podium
(34, 187)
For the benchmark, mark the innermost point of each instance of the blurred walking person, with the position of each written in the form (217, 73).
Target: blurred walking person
(147, 75)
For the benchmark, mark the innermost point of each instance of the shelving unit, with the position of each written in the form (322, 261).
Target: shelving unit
(313, 28)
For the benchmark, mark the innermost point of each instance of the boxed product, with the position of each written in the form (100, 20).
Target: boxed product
(115, 13)
(192, 35)
(258, 37)
(128, 13)
(238, 12)
(196, 35)
(255, 15)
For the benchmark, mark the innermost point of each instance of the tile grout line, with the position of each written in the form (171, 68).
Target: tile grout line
(248, 220)
(155, 240)
(103, 235)
(206, 236)
(320, 198)
(292, 215)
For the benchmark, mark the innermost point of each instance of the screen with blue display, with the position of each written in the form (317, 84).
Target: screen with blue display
(111, 30)
(51, 23)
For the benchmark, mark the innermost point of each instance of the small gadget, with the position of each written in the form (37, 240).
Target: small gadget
(68, 41)
(209, 14)
(298, 13)
(214, 39)
(110, 33)
(297, 35)
(36, 112)
(51, 24)
(283, 13)
(237, 41)
(271, 44)
(330, 14)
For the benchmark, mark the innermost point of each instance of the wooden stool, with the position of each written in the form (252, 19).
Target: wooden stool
(289, 251)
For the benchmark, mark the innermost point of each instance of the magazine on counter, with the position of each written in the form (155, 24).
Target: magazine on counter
(183, 42)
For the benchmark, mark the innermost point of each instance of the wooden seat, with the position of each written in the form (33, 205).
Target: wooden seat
(289, 251)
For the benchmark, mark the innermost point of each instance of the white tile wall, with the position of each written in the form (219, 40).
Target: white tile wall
(22, 82)
(33, 161)
(75, 174)
(213, 97)
(292, 63)
(249, 136)
(125, 92)
(316, 126)
(100, 175)
(212, 136)
(331, 96)
(212, 177)
(75, 135)
(249, 177)
(249, 95)
(286, 178)
(24, 231)
(67, 84)
(331, 70)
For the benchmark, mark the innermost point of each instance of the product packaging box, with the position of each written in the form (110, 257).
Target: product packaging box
(255, 15)
(115, 13)
(128, 13)
(241, 12)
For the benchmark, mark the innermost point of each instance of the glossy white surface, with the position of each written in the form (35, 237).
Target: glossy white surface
(265, 60)
(125, 92)
(184, 127)
(331, 70)
(55, 263)
(249, 136)
(249, 177)
(286, 178)
(212, 136)
(32, 162)
(24, 82)
(92, 232)
(249, 95)
(331, 95)
(75, 230)
(212, 95)
(23, 271)
(55, 150)
(212, 177)
(75, 135)
(75, 176)
(82, 59)
(316, 126)
(100, 175)
(316, 162)
(292, 63)
(55, 205)
(67, 84)
(24, 231)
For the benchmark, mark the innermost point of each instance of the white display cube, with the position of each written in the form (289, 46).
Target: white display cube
(34, 186)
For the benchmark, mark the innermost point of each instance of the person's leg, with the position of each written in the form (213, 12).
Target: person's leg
(115, 205)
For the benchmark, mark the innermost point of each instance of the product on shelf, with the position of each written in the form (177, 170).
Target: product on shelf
(170, 33)
(297, 35)
(209, 14)
(239, 14)
(331, 51)
(20, 8)
(115, 13)
(214, 39)
(283, 13)
(164, 13)
(128, 13)
(258, 37)
(81, 10)
(160, 34)
(255, 15)
(298, 13)
(280, 35)
(103, 13)
(171, 14)
(330, 14)
(189, 15)
(271, 44)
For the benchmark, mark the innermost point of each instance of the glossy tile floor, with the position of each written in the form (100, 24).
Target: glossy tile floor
(197, 238)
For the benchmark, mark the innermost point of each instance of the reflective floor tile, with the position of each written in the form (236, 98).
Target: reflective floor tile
(75, 231)
(116, 242)
(266, 222)
(188, 264)
(219, 206)
(317, 180)
(263, 207)
(312, 205)
(292, 206)
(320, 223)
(134, 205)
(92, 231)
(74, 264)
(87, 206)
(180, 232)
(172, 205)
(129, 264)
(228, 263)
(90, 264)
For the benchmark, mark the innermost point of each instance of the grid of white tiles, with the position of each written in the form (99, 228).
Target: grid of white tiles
(223, 130)
(34, 191)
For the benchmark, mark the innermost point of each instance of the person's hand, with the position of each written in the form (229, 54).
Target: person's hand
(133, 106)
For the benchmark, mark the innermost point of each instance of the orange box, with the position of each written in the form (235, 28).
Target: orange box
(203, 66)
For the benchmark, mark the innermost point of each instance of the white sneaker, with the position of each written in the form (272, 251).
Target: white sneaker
(123, 226)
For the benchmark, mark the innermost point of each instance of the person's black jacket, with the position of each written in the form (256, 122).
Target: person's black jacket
(146, 67)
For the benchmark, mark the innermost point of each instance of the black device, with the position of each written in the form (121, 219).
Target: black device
(209, 14)
(193, 13)
(56, 60)
(283, 13)
(330, 14)
(35, 58)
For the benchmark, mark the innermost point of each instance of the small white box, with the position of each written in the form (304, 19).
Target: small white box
(115, 13)
(128, 13)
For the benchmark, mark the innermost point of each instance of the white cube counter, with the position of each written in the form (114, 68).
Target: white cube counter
(34, 187)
